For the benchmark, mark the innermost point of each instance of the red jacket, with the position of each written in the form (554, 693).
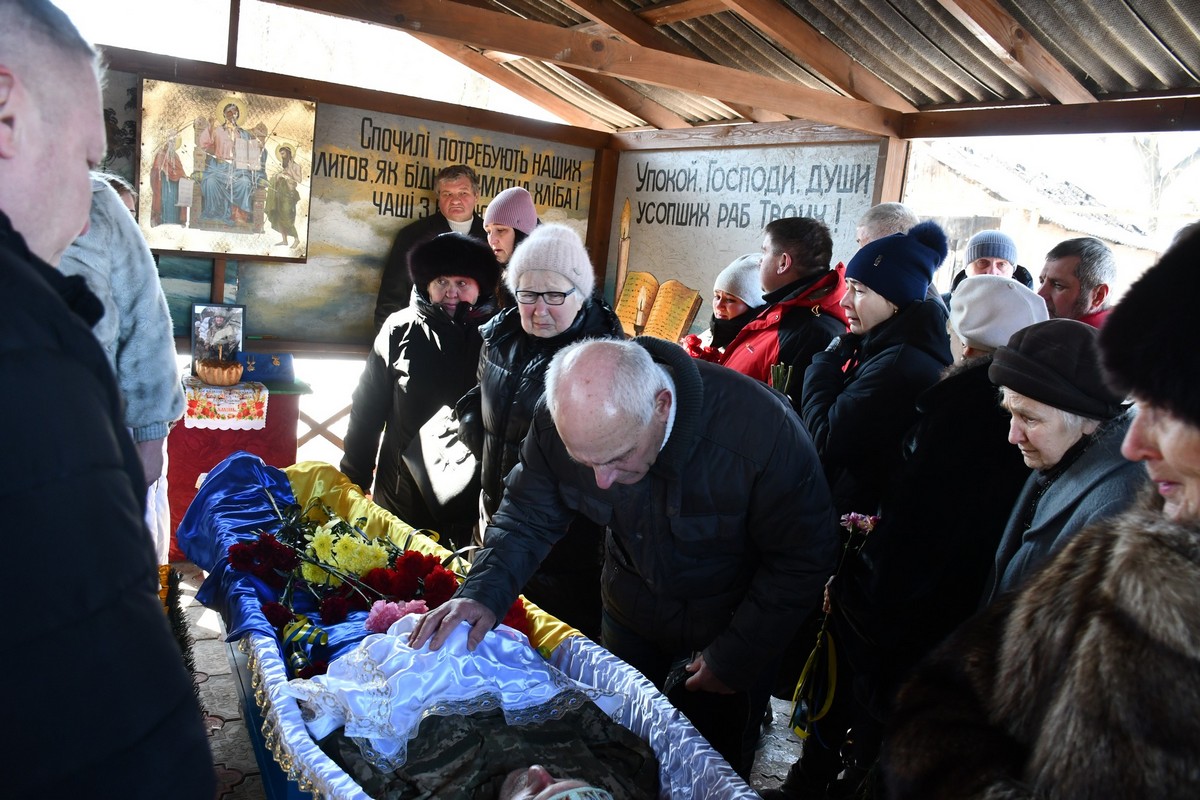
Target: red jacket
(791, 331)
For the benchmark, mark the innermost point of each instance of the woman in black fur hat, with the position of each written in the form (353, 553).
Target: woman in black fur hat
(1086, 683)
(423, 358)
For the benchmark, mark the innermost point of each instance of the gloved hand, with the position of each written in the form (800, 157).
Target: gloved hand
(470, 432)
(844, 347)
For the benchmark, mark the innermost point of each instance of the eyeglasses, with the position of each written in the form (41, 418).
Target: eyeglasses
(551, 298)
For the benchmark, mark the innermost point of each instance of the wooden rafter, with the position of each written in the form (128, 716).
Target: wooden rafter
(631, 100)
(613, 57)
(779, 23)
(680, 10)
(635, 30)
(1004, 36)
(522, 86)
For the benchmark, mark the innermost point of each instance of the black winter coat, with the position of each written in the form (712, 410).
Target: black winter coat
(88, 642)
(922, 569)
(722, 547)
(858, 418)
(421, 360)
(497, 414)
(512, 379)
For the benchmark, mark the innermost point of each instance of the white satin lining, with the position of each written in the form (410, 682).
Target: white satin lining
(382, 689)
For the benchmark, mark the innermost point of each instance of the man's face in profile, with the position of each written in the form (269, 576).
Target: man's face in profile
(64, 139)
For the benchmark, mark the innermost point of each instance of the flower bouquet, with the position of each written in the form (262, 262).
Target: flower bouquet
(325, 571)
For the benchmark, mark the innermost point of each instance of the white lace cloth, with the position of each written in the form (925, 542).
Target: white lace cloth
(382, 689)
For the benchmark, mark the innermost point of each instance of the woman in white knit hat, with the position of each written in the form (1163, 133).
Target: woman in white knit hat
(552, 281)
(737, 299)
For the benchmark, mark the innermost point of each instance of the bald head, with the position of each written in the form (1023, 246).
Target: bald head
(51, 127)
(610, 403)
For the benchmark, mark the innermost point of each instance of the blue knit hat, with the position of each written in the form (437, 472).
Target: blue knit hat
(900, 266)
(991, 244)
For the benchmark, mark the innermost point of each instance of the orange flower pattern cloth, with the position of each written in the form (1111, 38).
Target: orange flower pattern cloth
(242, 406)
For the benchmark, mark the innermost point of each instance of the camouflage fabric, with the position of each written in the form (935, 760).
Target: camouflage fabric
(467, 757)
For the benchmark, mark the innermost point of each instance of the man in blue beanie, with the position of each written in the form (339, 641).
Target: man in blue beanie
(990, 252)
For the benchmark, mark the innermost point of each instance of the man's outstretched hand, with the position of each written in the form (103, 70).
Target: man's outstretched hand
(438, 624)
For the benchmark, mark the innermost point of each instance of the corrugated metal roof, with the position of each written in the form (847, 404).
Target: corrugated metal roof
(927, 55)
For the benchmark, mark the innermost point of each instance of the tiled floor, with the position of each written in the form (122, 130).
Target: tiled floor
(238, 776)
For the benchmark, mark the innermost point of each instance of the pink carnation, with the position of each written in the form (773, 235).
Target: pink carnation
(383, 613)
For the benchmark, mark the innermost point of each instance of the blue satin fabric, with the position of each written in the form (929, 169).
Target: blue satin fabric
(234, 505)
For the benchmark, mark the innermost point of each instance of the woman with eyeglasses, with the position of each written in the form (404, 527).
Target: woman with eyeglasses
(552, 279)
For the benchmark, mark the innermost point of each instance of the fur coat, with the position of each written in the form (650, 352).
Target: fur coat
(1086, 684)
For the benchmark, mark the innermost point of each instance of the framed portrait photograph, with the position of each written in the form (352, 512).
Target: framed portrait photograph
(218, 332)
(224, 174)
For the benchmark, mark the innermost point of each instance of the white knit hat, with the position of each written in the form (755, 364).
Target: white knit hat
(742, 280)
(986, 310)
(554, 248)
(512, 207)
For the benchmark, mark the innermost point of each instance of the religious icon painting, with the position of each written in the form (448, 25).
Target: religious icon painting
(225, 174)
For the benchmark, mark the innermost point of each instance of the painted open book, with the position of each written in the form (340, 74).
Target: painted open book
(647, 307)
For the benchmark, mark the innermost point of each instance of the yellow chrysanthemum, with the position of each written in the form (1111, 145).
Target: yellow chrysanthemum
(315, 575)
(357, 557)
(322, 544)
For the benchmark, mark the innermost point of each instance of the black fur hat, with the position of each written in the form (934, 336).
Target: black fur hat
(454, 254)
(1149, 340)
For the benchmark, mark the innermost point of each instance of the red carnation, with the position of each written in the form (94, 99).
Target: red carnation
(334, 610)
(440, 586)
(243, 555)
(381, 580)
(278, 614)
(517, 618)
(276, 554)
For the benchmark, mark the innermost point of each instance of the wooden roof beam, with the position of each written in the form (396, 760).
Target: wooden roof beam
(793, 34)
(514, 82)
(634, 29)
(680, 10)
(499, 31)
(631, 100)
(1003, 35)
(1123, 116)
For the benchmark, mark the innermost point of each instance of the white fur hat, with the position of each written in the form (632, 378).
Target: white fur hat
(554, 248)
(742, 280)
(986, 310)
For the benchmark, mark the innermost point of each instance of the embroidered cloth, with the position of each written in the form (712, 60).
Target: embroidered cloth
(242, 406)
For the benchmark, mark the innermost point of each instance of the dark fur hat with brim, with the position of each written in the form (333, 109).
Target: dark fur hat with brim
(454, 254)
(1057, 362)
(1149, 340)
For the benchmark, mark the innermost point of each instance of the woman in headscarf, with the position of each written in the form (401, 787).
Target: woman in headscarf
(424, 357)
(1086, 682)
(552, 280)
